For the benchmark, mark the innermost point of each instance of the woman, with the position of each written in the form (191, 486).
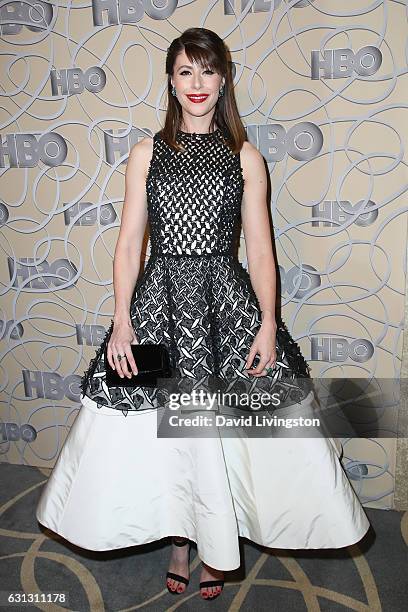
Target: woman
(194, 181)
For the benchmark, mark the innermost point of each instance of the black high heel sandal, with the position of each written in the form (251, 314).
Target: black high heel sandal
(210, 583)
(174, 576)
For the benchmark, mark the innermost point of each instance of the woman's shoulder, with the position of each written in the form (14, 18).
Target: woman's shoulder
(141, 153)
(251, 159)
(143, 148)
(249, 150)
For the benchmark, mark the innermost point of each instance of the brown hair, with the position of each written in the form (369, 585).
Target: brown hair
(208, 49)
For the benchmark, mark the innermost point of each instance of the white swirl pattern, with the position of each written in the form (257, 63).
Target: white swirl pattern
(61, 207)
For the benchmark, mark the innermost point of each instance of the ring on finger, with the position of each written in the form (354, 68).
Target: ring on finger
(119, 357)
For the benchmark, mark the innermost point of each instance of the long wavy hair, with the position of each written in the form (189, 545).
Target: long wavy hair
(207, 49)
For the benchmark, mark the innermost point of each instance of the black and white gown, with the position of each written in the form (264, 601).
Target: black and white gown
(115, 483)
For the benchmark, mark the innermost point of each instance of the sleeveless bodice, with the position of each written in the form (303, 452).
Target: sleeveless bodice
(194, 196)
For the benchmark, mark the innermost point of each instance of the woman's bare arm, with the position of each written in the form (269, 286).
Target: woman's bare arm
(255, 223)
(126, 262)
(261, 262)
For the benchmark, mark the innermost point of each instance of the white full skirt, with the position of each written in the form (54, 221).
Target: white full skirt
(115, 484)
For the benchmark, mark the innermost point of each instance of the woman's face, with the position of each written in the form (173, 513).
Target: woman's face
(193, 79)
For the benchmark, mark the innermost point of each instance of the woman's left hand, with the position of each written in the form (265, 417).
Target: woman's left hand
(264, 345)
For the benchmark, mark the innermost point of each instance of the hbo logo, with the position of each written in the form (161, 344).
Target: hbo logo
(26, 150)
(43, 275)
(302, 141)
(260, 6)
(35, 15)
(16, 332)
(116, 143)
(4, 214)
(299, 282)
(12, 432)
(339, 63)
(131, 11)
(90, 335)
(340, 349)
(73, 81)
(105, 214)
(51, 385)
(338, 213)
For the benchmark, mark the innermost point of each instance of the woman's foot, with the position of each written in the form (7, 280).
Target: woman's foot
(211, 574)
(179, 565)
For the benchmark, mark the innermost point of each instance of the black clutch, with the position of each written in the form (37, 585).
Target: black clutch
(152, 362)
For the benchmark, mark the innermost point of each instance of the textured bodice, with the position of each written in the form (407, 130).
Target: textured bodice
(194, 295)
(194, 196)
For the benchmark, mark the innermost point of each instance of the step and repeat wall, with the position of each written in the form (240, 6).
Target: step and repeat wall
(321, 91)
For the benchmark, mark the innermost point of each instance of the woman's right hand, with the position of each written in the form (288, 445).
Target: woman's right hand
(123, 335)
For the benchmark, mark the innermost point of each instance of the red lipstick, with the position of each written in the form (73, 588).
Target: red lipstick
(197, 98)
